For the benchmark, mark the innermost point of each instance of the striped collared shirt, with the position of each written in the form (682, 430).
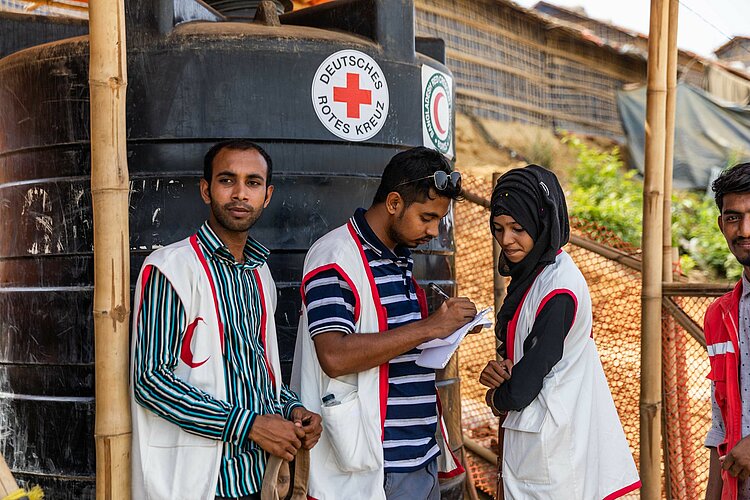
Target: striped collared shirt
(249, 388)
(411, 417)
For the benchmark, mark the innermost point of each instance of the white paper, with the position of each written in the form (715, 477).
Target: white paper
(437, 352)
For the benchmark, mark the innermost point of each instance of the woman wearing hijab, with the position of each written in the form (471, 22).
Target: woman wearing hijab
(563, 438)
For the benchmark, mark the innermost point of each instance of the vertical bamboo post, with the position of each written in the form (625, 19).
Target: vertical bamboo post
(8, 483)
(671, 99)
(673, 438)
(109, 191)
(653, 204)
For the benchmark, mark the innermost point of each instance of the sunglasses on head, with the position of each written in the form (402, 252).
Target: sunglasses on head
(441, 179)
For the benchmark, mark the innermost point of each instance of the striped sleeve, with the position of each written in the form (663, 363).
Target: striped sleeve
(289, 401)
(161, 323)
(330, 303)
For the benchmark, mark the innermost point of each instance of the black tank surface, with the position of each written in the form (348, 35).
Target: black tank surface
(331, 93)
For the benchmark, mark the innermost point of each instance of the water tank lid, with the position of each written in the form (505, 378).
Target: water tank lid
(244, 10)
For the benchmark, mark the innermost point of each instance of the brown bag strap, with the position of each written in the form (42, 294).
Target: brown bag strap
(277, 481)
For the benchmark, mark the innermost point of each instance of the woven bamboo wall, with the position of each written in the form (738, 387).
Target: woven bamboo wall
(510, 65)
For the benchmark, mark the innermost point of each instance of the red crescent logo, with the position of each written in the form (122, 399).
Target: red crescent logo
(186, 355)
(435, 103)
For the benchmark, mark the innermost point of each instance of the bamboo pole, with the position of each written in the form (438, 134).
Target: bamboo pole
(671, 99)
(8, 483)
(674, 438)
(653, 204)
(109, 191)
(696, 289)
(685, 321)
(686, 471)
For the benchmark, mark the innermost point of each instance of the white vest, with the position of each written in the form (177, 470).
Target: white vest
(347, 462)
(568, 444)
(168, 462)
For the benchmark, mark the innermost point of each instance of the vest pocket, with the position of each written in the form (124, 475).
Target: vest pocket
(184, 472)
(526, 454)
(350, 437)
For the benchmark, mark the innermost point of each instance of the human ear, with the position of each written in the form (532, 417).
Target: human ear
(269, 193)
(393, 202)
(205, 191)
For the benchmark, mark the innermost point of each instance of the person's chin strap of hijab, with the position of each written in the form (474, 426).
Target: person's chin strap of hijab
(532, 196)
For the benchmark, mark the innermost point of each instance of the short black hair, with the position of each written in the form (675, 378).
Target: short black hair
(408, 174)
(237, 145)
(735, 179)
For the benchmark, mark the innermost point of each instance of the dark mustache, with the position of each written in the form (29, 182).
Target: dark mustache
(737, 241)
(230, 206)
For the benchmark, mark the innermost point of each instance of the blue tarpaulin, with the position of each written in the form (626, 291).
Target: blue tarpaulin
(709, 134)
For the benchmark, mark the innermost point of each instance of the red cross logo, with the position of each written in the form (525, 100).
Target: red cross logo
(352, 95)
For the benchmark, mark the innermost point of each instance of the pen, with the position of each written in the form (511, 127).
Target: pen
(439, 291)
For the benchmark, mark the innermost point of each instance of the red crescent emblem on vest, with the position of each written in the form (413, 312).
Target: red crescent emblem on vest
(186, 355)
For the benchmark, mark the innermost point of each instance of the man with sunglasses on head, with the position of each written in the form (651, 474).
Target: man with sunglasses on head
(363, 317)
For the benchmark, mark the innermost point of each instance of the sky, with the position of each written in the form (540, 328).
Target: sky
(703, 25)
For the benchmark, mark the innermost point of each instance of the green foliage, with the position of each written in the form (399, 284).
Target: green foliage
(603, 192)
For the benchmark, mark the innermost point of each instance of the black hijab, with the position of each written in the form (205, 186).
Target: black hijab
(532, 196)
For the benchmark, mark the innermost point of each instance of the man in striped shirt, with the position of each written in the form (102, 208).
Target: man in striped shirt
(241, 408)
(415, 193)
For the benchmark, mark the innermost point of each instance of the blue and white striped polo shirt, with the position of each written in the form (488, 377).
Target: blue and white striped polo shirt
(411, 417)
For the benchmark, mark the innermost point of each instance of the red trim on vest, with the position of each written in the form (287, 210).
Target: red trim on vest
(510, 338)
(145, 275)
(263, 319)
(382, 326)
(623, 491)
(561, 291)
(421, 298)
(721, 326)
(459, 468)
(346, 277)
(202, 259)
(554, 293)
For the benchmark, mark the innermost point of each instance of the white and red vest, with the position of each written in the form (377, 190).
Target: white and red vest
(721, 326)
(568, 443)
(347, 462)
(168, 462)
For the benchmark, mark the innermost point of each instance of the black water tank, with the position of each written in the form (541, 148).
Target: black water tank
(188, 87)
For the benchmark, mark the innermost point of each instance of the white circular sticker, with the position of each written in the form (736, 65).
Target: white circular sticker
(350, 95)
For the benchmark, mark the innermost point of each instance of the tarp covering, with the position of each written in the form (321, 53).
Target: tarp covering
(709, 134)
